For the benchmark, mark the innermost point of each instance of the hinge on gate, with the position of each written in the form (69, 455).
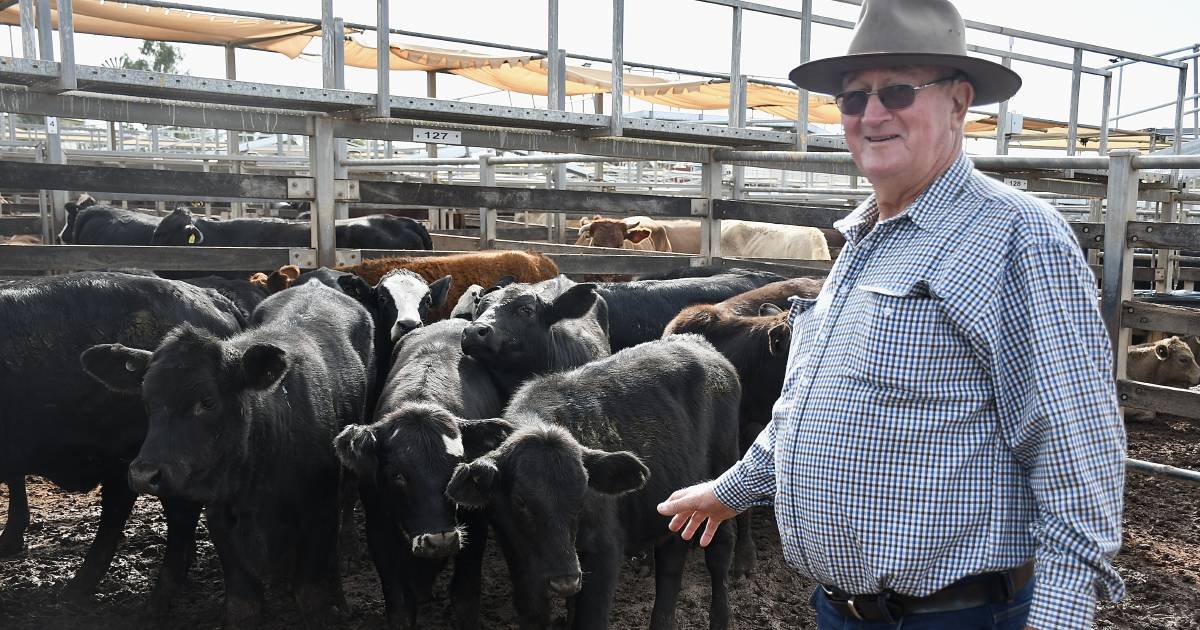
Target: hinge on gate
(301, 188)
(306, 258)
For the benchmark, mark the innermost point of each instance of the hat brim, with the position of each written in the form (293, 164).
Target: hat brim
(992, 82)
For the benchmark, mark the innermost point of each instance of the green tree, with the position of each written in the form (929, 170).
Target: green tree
(156, 56)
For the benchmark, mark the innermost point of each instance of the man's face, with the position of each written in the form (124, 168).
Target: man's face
(904, 147)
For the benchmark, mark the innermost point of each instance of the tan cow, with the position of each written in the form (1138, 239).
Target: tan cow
(641, 233)
(1168, 362)
(751, 239)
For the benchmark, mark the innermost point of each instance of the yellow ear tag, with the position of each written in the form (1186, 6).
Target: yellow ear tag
(191, 239)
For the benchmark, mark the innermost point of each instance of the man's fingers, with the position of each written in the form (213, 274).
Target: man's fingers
(675, 504)
(678, 520)
(710, 530)
(693, 524)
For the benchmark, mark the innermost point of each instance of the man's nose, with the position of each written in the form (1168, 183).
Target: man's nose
(875, 112)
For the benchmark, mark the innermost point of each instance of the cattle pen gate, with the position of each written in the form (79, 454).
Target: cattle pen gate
(1113, 182)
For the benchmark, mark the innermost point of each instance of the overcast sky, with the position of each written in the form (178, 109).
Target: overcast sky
(691, 34)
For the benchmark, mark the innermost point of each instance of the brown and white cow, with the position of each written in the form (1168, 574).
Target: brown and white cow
(639, 232)
(751, 239)
(1167, 362)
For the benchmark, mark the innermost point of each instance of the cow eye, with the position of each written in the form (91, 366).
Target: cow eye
(526, 310)
(399, 478)
(204, 405)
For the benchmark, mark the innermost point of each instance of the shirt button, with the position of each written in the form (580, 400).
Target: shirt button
(887, 312)
(805, 381)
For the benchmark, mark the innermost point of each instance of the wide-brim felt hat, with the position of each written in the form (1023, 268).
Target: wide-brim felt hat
(893, 33)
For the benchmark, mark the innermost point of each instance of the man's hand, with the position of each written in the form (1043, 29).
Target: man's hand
(693, 506)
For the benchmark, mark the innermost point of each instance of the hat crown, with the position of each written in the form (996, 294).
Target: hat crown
(909, 26)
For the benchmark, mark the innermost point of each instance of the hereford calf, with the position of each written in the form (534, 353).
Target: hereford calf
(245, 425)
(574, 488)
(482, 268)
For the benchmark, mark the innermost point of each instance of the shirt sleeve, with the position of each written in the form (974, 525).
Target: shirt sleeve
(751, 481)
(1059, 415)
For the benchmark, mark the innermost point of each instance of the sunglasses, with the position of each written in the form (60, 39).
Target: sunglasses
(893, 97)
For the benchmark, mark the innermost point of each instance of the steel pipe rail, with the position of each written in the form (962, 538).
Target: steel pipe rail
(1166, 161)
(1162, 469)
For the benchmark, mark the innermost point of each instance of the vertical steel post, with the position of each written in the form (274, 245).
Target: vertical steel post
(1095, 215)
(28, 34)
(553, 80)
(1195, 63)
(1073, 123)
(234, 146)
(1180, 97)
(383, 59)
(341, 208)
(739, 172)
(66, 46)
(1002, 113)
(710, 228)
(487, 216)
(1104, 107)
(328, 42)
(618, 66)
(598, 101)
(735, 69)
(1118, 255)
(802, 98)
(53, 139)
(321, 165)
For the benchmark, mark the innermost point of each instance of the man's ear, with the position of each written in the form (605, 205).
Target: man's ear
(116, 367)
(472, 483)
(481, 436)
(356, 288)
(438, 291)
(614, 473)
(263, 364)
(356, 448)
(572, 303)
(963, 93)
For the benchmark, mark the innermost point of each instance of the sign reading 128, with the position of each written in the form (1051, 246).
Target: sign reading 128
(437, 135)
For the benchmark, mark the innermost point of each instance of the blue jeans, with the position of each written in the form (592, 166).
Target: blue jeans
(1009, 616)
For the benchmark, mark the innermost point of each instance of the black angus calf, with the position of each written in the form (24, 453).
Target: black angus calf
(574, 488)
(181, 227)
(530, 329)
(245, 425)
(423, 427)
(91, 224)
(58, 422)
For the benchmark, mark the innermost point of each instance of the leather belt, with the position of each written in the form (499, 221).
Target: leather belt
(972, 591)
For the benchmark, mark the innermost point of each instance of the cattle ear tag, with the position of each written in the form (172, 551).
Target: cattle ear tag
(129, 365)
(191, 239)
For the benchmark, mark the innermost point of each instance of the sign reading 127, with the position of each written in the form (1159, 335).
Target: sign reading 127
(437, 135)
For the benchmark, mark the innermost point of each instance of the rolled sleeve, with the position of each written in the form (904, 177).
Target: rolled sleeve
(751, 481)
(1060, 418)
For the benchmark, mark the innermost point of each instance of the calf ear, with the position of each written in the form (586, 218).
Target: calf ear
(116, 367)
(263, 364)
(503, 282)
(481, 436)
(356, 447)
(573, 303)
(767, 309)
(614, 473)
(291, 272)
(356, 288)
(471, 485)
(71, 207)
(439, 289)
(1162, 351)
(637, 235)
(194, 235)
(778, 338)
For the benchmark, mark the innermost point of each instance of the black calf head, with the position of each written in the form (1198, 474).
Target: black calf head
(514, 328)
(536, 485)
(67, 235)
(409, 456)
(177, 228)
(193, 388)
(400, 302)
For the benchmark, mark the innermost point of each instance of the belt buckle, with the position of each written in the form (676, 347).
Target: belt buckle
(853, 609)
(849, 602)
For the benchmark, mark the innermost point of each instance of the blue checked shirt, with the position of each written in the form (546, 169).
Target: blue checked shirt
(949, 408)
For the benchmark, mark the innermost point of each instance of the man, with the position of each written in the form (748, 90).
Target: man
(947, 450)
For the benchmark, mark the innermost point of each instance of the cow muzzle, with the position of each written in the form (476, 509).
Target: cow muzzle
(440, 545)
(145, 478)
(565, 585)
(479, 339)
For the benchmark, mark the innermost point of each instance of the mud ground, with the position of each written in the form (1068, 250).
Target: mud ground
(1160, 562)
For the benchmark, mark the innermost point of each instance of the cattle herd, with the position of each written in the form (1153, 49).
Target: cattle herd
(457, 398)
(452, 396)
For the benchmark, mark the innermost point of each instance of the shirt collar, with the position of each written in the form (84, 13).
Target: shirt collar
(922, 211)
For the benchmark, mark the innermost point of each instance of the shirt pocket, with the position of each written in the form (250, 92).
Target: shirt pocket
(901, 340)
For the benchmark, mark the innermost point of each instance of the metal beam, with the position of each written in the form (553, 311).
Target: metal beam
(735, 69)
(1118, 258)
(26, 176)
(322, 160)
(802, 94)
(616, 125)
(66, 45)
(502, 198)
(28, 35)
(383, 61)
